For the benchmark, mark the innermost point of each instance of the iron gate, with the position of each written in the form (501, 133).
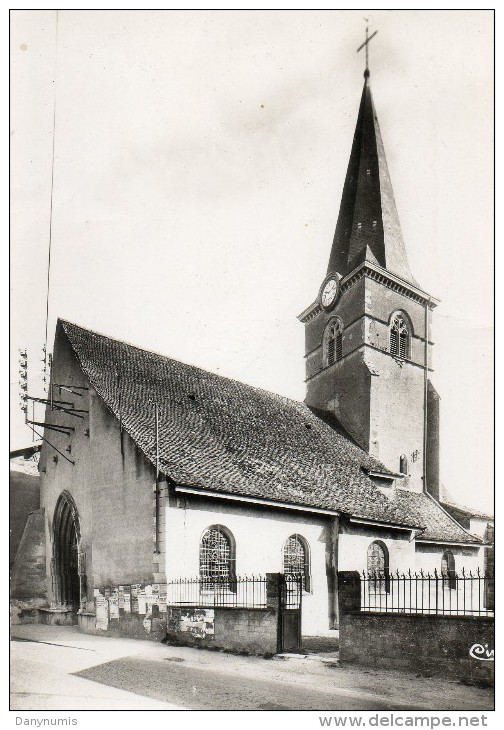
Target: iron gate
(289, 615)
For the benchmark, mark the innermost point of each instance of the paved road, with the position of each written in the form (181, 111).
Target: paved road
(199, 689)
(60, 668)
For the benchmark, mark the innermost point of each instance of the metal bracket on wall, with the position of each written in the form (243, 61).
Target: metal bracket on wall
(39, 435)
(64, 406)
(70, 388)
(53, 427)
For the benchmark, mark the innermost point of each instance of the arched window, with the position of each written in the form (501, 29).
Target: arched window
(378, 567)
(217, 557)
(399, 337)
(296, 559)
(333, 342)
(403, 464)
(448, 570)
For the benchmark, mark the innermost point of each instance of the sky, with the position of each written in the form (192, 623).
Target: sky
(199, 160)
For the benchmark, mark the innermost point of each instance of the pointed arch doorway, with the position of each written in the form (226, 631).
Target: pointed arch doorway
(68, 583)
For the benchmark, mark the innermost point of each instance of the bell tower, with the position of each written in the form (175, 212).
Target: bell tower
(367, 347)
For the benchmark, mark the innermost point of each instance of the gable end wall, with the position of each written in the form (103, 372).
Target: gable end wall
(111, 483)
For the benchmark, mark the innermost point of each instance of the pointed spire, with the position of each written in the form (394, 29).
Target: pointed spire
(368, 226)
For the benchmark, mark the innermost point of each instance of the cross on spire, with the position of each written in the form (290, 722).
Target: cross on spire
(365, 45)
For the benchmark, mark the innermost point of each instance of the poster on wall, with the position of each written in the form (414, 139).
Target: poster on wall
(151, 596)
(135, 588)
(163, 597)
(126, 598)
(142, 603)
(199, 622)
(120, 597)
(101, 609)
(114, 605)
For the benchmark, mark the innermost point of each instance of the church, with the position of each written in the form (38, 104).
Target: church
(153, 470)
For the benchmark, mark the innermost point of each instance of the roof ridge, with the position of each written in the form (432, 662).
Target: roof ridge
(306, 412)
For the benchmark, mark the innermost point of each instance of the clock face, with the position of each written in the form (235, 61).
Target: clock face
(329, 293)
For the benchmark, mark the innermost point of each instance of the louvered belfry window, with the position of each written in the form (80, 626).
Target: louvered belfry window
(330, 351)
(399, 337)
(334, 342)
(216, 557)
(339, 344)
(296, 559)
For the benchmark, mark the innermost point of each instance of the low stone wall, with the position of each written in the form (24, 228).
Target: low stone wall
(140, 611)
(131, 625)
(441, 645)
(239, 629)
(250, 630)
(137, 611)
(458, 647)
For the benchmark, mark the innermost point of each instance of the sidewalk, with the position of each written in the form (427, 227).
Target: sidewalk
(38, 682)
(44, 659)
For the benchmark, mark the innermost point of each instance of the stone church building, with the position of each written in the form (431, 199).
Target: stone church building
(159, 470)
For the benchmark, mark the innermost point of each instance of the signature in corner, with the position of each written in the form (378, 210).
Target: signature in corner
(482, 652)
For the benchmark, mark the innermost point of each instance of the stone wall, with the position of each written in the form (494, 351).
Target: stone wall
(247, 630)
(140, 611)
(250, 630)
(24, 497)
(28, 581)
(131, 625)
(137, 611)
(456, 647)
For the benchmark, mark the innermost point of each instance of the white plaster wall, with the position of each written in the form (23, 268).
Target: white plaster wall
(428, 557)
(260, 535)
(467, 594)
(478, 526)
(353, 551)
(403, 554)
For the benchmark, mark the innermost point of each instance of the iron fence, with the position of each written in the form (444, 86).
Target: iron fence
(459, 594)
(248, 591)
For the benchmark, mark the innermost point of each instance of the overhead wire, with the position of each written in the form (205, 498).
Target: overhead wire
(52, 196)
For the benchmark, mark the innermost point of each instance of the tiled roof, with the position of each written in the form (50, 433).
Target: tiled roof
(438, 524)
(222, 435)
(467, 511)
